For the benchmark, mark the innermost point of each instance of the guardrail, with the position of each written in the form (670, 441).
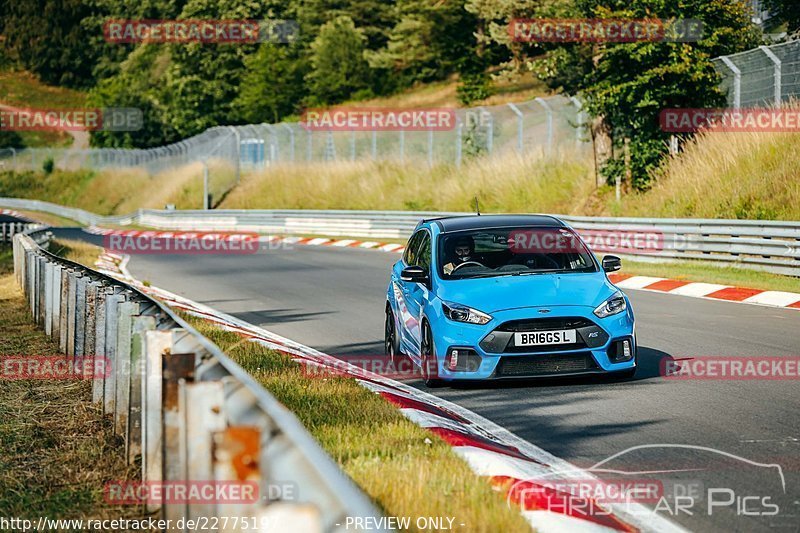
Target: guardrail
(9, 229)
(772, 246)
(761, 245)
(185, 410)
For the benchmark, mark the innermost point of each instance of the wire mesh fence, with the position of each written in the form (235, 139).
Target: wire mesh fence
(764, 76)
(544, 124)
(758, 77)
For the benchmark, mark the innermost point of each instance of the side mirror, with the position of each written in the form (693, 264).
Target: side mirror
(414, 274)
(611, 263)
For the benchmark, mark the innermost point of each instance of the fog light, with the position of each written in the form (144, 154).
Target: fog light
(620, 351)
(452, 361)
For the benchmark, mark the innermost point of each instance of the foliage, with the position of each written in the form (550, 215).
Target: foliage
(338, 67)
(628, 84)
(48, 165)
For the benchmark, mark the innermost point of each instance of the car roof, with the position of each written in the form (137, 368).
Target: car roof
(468, 222)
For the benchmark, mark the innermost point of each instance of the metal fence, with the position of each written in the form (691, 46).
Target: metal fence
(764, 76)
(544, 124)
(186, 411)
(9, 229)
(771, 246)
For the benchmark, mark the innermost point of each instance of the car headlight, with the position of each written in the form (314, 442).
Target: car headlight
(462, 313)
(614, 305)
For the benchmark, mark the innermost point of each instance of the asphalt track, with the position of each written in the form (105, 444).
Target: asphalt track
(332, 299)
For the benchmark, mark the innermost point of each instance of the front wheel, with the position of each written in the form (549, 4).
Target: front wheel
(391, 343)
(430, 367)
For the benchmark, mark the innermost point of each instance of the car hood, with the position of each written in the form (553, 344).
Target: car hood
(513, 292)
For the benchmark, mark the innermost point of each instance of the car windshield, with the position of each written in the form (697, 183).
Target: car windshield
(512, 252)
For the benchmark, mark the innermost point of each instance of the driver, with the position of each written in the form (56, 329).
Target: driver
(463, 251)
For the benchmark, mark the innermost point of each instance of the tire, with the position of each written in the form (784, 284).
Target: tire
(391, 343)
(427, 354)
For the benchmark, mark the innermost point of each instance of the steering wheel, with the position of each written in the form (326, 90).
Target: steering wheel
(465, 264)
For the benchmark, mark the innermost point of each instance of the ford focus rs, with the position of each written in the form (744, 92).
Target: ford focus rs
(506, 296)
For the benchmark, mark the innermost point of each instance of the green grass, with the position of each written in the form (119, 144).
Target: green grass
(56, 450)
(22, 89)
(708, 273)
(48, 218)
(405, 469)
(77, 251)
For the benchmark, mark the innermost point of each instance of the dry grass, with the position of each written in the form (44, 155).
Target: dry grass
(22, 89)
(77, 251)
(509, 184)
(443, 94)
(710, 273)
(724, 175)
(56, 451)
(48, 218)
(406, 470)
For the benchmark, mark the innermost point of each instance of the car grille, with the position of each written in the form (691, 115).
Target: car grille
(501, 340)
(540, 365)
(543, 324)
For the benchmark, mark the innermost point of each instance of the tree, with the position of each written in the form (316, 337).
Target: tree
(272, 86)
(338, 67)
(787, 11)
(426, 43)
(10, 139)
(626, 85)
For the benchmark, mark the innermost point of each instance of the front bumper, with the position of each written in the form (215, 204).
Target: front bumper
(488, 352)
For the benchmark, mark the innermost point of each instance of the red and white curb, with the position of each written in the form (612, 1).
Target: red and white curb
(273, 239)
(510, 463)
(711, 291)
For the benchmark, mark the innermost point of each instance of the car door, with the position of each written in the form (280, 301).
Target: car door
(405, 321)
(417, 294)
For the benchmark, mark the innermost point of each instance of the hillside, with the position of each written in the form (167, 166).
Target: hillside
(23, 90)
(720, 175)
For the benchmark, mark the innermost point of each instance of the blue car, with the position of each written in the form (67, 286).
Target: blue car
(506, 296)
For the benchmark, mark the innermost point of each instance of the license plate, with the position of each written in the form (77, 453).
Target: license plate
(538, 338)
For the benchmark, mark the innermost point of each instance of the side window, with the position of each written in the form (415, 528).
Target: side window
(410, 255)
(424, 254)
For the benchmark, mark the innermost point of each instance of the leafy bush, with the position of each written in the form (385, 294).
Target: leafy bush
(48, 166)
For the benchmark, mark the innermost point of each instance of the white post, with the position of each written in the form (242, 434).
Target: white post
(778, 73)
(430, 148)
(238, 155)
(459, 136)
(549, 110)
(737, 81)
(205, 185)
(291, 141)
(517, 112)
(579, 117)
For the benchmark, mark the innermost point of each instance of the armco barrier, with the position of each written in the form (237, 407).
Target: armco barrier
(185, 410)
(761, 245)
(772, 246)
